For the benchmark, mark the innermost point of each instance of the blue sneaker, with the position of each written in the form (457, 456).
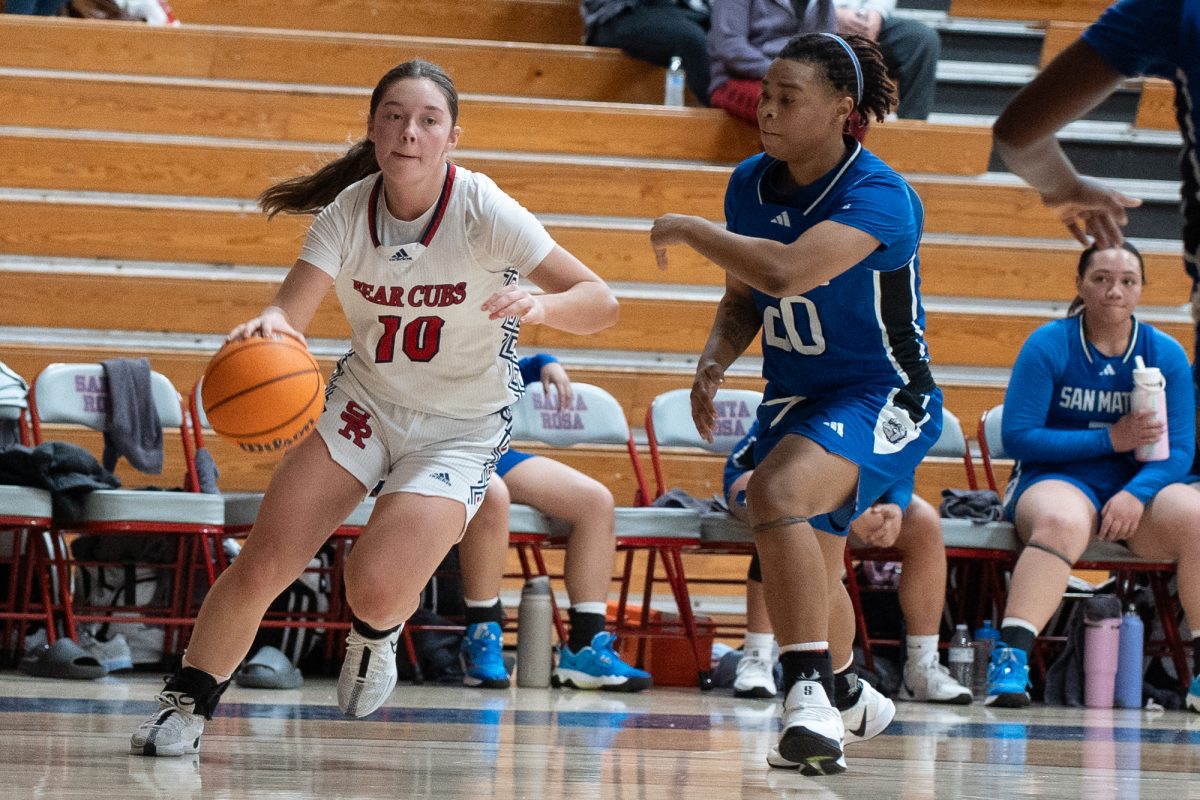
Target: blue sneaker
(1193, 698)
(598, 666)
(1008, 678)
(482, 656)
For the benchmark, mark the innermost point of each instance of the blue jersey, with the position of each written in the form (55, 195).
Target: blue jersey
(1064, 394)
(1158, 38)
(741, 461)
(864, 328)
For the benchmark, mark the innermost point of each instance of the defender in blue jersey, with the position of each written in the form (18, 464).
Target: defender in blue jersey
(897, 519)
(820, 253)
(588, 659)
(1069, 424)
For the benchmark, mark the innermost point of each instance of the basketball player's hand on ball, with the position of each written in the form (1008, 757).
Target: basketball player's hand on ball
(271, 324)
(554, 375)
(513, 301)
(709, 377)
(667, 230)
(1089, 208)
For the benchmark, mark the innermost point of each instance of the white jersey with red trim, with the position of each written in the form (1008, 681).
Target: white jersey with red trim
(412, 292)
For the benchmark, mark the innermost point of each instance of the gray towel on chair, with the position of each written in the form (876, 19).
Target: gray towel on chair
(133, 428)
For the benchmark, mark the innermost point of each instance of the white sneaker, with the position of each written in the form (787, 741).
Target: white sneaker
(812, 733)
(927, 681)
(368, 674)
(755, 676)
(174, 730)
(867, 718)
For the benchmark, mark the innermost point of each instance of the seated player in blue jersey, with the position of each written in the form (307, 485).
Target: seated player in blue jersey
(1068, 424)
(819, 249)
(899, 519)
(588, 661)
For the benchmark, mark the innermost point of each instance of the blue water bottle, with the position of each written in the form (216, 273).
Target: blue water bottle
(986, 637)
(1129, 662)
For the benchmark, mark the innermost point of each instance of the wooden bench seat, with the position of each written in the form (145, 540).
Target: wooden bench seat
(556, 21)
(1036, 10)
(143, 165)
(1008, 269)
(333, 116)
(320, 58)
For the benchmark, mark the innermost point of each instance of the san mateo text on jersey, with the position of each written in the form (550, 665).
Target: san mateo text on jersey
(1075, 398)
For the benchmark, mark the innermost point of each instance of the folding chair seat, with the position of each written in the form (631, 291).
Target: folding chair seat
(194, 519)
(596, 418)
(25, 514)
(1112, 557)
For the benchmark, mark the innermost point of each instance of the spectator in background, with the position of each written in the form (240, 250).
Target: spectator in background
(910, 50)
(654, 31)
(745, 37)
(40, 8)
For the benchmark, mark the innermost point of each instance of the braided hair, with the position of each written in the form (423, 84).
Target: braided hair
(308, 194)
(877, 95)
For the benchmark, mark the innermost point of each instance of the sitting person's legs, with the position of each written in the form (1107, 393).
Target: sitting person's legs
(921, 602)
(1055, 519)
(586, 505)
(483, 553)
(657, 31)
(1170, 530)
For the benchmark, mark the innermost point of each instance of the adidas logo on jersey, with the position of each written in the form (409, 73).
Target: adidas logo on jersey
(400, 255)
(444, 477)
(782, 219)
(1108, 370)
(836, 427)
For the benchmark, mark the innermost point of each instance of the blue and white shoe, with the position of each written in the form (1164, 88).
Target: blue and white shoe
(598, 666)
(482, 656)
(1193, 698)
(1008, 678)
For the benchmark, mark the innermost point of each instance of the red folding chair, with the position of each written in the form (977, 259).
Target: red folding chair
(596, 418)
(25, 515)
(1112, 557)
(75, 396)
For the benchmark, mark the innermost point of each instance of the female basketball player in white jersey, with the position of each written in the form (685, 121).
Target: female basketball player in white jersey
(820, 252)
(425, 257)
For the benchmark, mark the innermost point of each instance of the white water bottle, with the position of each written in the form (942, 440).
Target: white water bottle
(676, 78)
(1150, 394)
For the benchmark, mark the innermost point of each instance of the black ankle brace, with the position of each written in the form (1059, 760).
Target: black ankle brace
(198, 685)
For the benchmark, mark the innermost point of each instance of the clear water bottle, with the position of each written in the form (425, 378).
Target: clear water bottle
(675, 81)
(962, 656)
(986, 637)
(534, 651)
(1150, 394)
(1129, 661)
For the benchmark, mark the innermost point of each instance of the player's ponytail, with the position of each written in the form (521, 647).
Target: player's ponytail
(852, 64)
(308, 194)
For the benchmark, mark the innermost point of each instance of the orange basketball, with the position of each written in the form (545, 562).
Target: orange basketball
(264, 394)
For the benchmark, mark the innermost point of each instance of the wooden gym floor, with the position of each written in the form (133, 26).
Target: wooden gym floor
(68, 739)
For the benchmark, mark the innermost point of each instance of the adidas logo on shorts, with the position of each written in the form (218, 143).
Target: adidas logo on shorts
(444, 477)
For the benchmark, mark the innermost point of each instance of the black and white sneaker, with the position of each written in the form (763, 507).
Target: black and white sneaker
(368, 674)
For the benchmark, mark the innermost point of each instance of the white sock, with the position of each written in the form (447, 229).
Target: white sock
(481, 603)
(218, 678)
(761, 645)
(920, 647)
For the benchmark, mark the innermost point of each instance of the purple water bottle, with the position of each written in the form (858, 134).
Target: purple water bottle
(1129, 661)
(1101, 643)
